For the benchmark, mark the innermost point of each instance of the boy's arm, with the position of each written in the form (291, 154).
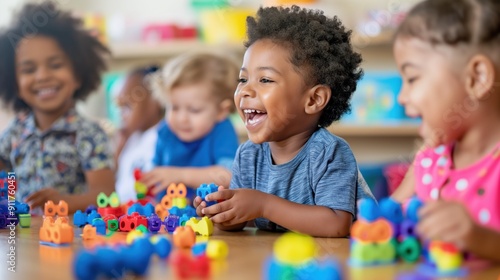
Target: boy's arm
(195, 176)
(406, 189)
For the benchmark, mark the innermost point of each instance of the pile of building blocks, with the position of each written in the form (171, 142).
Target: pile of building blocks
(294, 257)
(55, 230)
(384, 234)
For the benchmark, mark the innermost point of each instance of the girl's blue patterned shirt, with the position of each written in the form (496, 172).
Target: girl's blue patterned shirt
(56, 158)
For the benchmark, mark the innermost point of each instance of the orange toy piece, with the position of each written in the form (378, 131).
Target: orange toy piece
(184, 237)
(161, 212)
(379, 231)
(56, 232)
(166, 202)
(89, 232)
(61, 209)
(175, 191)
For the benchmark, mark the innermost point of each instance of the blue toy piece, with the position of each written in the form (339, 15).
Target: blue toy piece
(171, 223)
(136, 257)
(90, 208)
(22, 208)
(148, 209)
(369, 210)
(412, 209)
(93, 215)
(199, 249)
(183, 219)
(79, 218)
(325, 270)
(84, 266)
(162, 247)
(154, 223)
(391, 210)
(276, 270)
(136, 207)
(100, 226)
(188, 210)
(206, 189)
(109, 263)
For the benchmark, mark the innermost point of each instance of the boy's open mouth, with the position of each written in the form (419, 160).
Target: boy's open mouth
(253, 116)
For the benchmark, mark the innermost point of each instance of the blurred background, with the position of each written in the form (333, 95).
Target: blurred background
(145, 32)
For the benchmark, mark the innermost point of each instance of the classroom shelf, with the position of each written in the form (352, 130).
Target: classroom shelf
(403, 129)
(168, 48)
(138, 50)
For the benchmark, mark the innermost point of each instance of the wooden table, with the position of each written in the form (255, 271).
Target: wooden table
(247, 251)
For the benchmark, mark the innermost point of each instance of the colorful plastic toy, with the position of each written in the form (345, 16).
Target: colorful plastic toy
(154, 223)
(171, 223)
(184, 237)
(130, 222)
(204, 189)
(79, 218)
(58, 232)
(217, 249)
(203, 227)
(61, 209)
(24, 220)
(189, 267)
(177, 191)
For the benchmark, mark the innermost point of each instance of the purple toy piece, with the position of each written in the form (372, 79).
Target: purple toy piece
(171, 223)
(3, 221)
(154, 223)
(408, 229)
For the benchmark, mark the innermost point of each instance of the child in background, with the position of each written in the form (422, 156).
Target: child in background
(447, 53)
(299, 72)
(140, 114)
(196, 142)
(44, 70)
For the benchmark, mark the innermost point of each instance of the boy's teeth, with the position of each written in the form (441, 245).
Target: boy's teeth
(248, 111)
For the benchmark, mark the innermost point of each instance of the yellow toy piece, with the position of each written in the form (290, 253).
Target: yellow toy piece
(203, 227)
(294, 248)
(217, 250)
(445, 256)
(180, 202)
(114, 200)
(132, 235)
(140, 188)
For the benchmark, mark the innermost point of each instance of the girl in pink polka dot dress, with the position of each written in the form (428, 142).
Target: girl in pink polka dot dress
(448, 52)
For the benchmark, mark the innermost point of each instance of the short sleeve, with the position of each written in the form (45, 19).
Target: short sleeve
(93, 148)
(157, 156)
(6, 145)
(236, 176)
(225, 144)
(335, 177)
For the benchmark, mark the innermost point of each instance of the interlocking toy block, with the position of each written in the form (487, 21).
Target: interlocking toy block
(188, 267)
(408, 229)
(179, 202)
(171, 223)
(55, 232)
(372, 253)
(90, 208)
(177, 191)
(188, 210)
(199, 248)
(379, 231)
(24, 220)
(133, 235)
(412, 209)
(100, 226)
(203, 227)
(368, 210)
(93, 215)
(79, 218)
(183, 219)
(3, 221)
(145, 210)
(113, 225)
(89, 232)
(166, 202)
(21, 208)
(294, 248)
(61, 209)
(445, 255)
(409, 250)
(184, 237)
(162, 246)
(392, 211)
(116, 211)
(161, 211)
(154, 223)
(204, 189)
(130, 222)
(217, 249)
(108, 217)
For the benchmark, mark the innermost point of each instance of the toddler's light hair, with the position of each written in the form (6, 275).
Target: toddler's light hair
(217, 70)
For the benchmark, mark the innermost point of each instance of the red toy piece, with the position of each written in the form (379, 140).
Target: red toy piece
(189, 267)
(115, 211)
(130, 222)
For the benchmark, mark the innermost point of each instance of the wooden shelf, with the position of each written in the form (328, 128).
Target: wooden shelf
(375, 130)
(362, 130)
(164, 49)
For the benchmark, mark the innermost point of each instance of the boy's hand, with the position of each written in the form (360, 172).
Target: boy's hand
(38, 199)
(199, 204)
(446, 221)
(161, 178)
(239, 206)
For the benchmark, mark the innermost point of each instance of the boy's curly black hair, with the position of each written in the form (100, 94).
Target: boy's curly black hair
(84, 50)
(320, 47)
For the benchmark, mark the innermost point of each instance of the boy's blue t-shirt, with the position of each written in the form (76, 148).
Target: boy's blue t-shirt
(218, 147)
(323, 173)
